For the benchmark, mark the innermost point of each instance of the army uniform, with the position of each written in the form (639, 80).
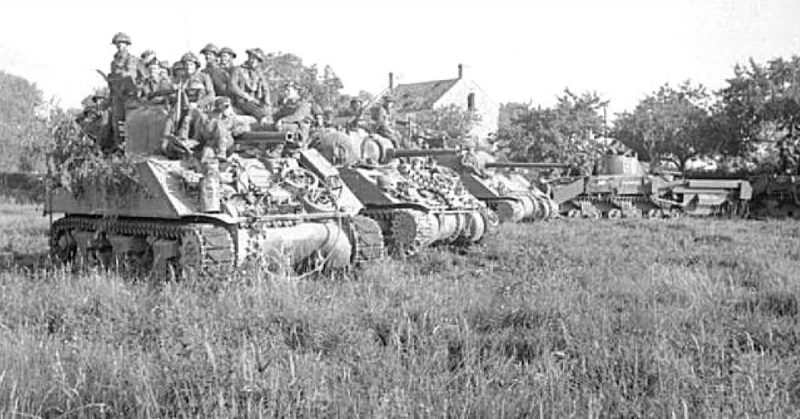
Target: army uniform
(125, 72)
(95, 121)
(156, 88)
(384, 122)
(295, 115)
(249, 91)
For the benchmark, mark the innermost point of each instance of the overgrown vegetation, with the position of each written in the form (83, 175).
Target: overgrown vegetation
(617, 319)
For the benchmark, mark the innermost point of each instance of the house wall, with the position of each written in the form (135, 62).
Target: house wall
(488, 110)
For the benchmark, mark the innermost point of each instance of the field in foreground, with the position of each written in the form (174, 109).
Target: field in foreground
(631, 318)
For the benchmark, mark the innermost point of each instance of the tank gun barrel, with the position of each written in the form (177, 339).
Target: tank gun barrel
(420, 152)
(526, 165)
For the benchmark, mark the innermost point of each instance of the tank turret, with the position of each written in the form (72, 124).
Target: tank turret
(416, 201)
(263, 202)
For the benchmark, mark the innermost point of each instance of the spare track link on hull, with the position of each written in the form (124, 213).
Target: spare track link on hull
(405, 230)
(368, 240)
(203, 248)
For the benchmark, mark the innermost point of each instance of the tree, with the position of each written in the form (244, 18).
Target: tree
(675, 125)
(761, 104)
(324, 89)
(451, 122)
(24, 117)
(564, 133)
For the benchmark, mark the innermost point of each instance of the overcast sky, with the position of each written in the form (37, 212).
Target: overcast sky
(516, 51)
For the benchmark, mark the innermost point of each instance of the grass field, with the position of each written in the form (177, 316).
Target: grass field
(678, 318)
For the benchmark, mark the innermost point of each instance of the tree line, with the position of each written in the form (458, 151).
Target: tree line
(741, 127)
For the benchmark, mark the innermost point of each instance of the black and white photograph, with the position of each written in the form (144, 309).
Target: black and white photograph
(410, 209)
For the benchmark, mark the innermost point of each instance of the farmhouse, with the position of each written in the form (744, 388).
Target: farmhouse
(414, 98)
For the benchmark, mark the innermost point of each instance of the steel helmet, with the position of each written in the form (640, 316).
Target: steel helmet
(210, 48)
(121, 38)
(189, 56)
(227, 50)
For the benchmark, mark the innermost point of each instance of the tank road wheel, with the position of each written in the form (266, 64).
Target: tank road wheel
(509, 211)
(615, 214)
(675, 213)
(367, 239)
(63, 247)
(412, 230)
(574, 213)
(654, 213)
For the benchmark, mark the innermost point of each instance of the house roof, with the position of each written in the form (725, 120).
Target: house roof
(422, 96)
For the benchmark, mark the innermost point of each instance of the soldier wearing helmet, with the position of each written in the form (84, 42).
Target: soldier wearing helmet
(156, 87)
(210, 53)
(221, 75)
(356, 113)
(197, 86)
(125, 72)
(249, 90)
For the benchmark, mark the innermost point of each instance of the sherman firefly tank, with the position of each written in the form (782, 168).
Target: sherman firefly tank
(622, 188)
(259, 204)
(498, 184)
(417, 202)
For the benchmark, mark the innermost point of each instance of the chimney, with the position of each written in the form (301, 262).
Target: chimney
(460, 71)
(391, 81)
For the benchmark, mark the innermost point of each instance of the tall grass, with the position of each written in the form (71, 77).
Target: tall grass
(678, 318)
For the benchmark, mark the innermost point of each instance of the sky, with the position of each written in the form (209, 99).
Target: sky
(516, 51)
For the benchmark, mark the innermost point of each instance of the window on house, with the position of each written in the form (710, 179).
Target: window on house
(471, 102)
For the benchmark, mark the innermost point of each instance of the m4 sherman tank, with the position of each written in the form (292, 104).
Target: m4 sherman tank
(501, 187)
(258, 204)
(621, 188)
(416, 201)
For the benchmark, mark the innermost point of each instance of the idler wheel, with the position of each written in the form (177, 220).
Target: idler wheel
(412, 230)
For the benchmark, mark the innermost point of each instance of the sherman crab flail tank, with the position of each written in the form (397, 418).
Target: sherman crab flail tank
(417, 202)
(501, 186)
(622, 188)
(260, 204)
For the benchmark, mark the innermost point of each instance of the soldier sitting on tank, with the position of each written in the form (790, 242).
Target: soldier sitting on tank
(221, 74)
(196, 94)
(295, 113)
(383, 120)
(249, 90)
(210, 53)
(356, 114)
(156, 87)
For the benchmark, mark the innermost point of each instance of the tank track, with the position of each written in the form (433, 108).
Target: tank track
(405, 230)
(509, 210)
(205, 249)
(367, 240)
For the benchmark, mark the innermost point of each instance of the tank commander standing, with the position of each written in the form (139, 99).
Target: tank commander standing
(295, 113)
(249, 90)
(221, 76)
(125, 72)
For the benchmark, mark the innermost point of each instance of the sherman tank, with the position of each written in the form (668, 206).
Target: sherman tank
(416, 201)
(622, 188)
(263, 203)
(501, 185)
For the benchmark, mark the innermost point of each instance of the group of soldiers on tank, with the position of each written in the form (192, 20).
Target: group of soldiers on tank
(200, 98)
